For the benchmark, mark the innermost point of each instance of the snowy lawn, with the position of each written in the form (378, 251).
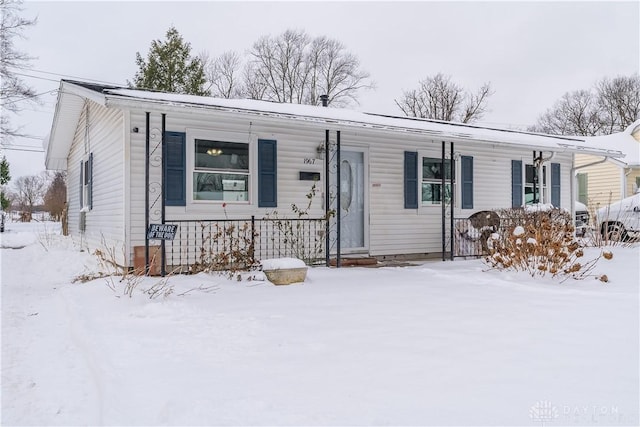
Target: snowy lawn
(442, 343)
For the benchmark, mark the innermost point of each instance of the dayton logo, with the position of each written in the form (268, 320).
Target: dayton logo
(543, 411)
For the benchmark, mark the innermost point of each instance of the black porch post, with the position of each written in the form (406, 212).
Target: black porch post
(327, 199)
(338, 206)
(146, 196)
(442, 192)
(163, 268)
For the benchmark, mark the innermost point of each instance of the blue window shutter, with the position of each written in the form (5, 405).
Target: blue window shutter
(267, 173)
(516, 183)
(90, 181)
(81, 184)
(175, 180)
(410, 180)
(467, 182)
(555, 184)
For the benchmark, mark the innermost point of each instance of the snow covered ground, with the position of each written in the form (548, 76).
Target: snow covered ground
(441, 343)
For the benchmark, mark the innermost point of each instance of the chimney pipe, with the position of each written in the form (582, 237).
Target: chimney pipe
(325, 100)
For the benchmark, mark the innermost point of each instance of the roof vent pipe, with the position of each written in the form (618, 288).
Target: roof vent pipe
(325, 100)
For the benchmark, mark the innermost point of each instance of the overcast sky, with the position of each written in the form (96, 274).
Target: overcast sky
(531, 52)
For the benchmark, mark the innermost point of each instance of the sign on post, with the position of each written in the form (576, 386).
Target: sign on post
(161, 231)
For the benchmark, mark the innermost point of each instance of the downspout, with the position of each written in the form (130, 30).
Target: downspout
(453, 199)
(625, 177)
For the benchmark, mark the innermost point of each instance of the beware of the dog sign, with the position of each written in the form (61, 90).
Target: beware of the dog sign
(161, 231)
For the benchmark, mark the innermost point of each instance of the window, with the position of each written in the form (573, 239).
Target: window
(432, 181)
(221, 171)
(86, 183)
(583, 188)
(529, 181)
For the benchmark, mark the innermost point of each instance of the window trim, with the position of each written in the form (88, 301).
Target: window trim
(221, 136)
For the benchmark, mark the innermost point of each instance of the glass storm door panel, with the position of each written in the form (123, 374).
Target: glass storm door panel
(352, 203)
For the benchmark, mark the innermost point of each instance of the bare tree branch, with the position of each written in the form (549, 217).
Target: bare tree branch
(13, 90)
(439, 98)
(610, 106)
(292, 67)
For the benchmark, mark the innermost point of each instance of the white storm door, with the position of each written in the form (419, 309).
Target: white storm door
(353, 200)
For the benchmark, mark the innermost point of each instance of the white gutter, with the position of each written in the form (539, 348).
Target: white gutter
(125, 102)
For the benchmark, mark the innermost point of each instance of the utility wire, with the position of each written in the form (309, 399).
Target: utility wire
(34, 150)
(29, 97)
(67, 75)
(35, 77)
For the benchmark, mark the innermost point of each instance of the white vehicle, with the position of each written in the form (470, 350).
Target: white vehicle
(620, 220)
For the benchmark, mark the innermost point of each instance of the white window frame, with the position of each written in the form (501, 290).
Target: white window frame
(545, 184)
(427, 155)
(224, 137)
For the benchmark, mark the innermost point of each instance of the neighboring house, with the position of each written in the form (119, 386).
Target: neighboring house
(602, 181)
(241, 158)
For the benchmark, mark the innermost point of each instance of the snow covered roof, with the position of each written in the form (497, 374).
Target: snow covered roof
(627, 142)
(111, 96)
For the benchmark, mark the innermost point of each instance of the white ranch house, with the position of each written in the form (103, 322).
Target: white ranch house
(237, 159)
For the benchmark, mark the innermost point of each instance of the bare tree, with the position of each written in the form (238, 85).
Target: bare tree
(439, 98)
(611, 105)
(576, 113)
(13, 90)
(619, 99)
(295, 68)
(56, 196)
(29, 192)
(335, 73)
(224, 74)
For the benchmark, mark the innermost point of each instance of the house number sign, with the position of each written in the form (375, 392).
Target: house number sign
(161, 231)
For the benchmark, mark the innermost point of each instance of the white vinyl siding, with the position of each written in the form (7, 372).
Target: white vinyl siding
(392, 230)
(604, 181)
(104, 139)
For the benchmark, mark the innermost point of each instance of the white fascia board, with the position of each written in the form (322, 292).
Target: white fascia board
(73, 89)
(71, 99)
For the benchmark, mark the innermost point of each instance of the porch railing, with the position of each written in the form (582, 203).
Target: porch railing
(231, 241)
(470, 241)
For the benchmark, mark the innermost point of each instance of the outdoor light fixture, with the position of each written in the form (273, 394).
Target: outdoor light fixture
(214, 151)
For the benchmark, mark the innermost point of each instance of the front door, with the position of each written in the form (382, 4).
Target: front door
(353, 203)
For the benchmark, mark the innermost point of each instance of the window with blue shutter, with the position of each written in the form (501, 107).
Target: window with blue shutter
(175, 169)
(516, 183)
(267, 173)
(410, 180)
(467, 181)
(555, 184)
